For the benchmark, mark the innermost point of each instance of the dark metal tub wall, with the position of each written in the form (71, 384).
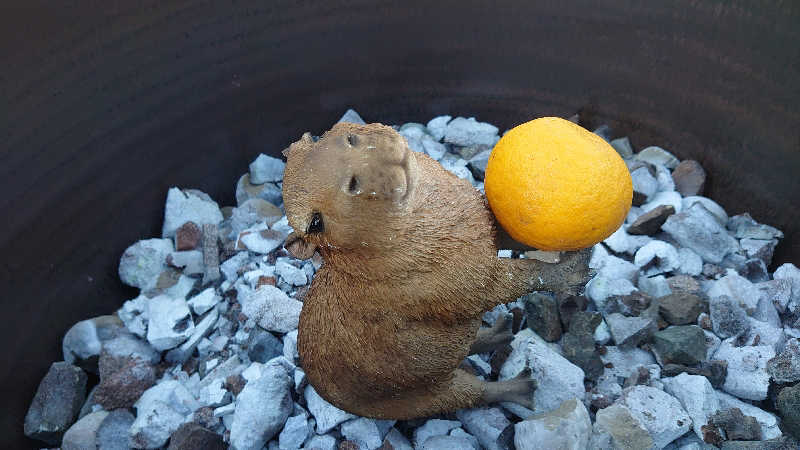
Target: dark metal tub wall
(106, 105)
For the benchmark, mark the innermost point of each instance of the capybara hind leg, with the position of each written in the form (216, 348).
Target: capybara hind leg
(517, 390)
(462, 390)
(489, 339)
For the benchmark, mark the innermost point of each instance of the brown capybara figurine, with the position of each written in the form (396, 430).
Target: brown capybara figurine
(410, 265)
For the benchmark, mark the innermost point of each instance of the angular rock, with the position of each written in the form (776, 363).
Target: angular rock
(622, 242)
(737, 426)
(437, 125)
(713, 207)
(791, 274)
(785, 368)
(326, 415)
(689, 177)
(142, 263)
(204, 301)
(658, 412)
(681, 344)
(727, 317)
(291, 274)
(656, 286)
(83, 434)
(760, 249)
(189, 262)
(159, 412)
(467, 132)
(558, 379)
(191, 436)
(261, 408)
(788, 405)
(671, 198)
(187, 236)
(188, 206)
(363, 431)
(485, 424)
(294, 433)
(122, 381)
(446, 442)
(259, 239)
(84, 341)
(616, 428)
(266, 169)
(600, 288)
(628, 332)
(263, 346)
(656, 257)
(715, 370)
(744, 227)
(579, 349)
(697, 397)
(114, 431)
(269, 192)
(650, 222)
(542, 315)
(680, 308)
(781, 443)
(433, 427)
(699, 230)
(170, 322)
(768, 422)
(56, 404)
(272, 309)
(690, 262)
(134, 315)
(623, 147)
(738, 288)
(352, 116)
(657, 155)
(567, 427)
(747, 370)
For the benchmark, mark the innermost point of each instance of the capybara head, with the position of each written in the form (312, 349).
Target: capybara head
(347, 190)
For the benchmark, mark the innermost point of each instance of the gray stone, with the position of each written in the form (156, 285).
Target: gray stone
(201, 330)
(485, 424)
(747, 370)
(780, 443)
(263, 346)
(656, 286)
(266, 169)
(134, 315)
(251, 212)
(170, 322)
(567, 427)
(601, 288)
(681, 344)
(580, 350)
(541, 310)
(433, 427)
(623, 147)
(261, 408)
(604, 131)
(159, 412)
(558, 379)
(188, 206)
(291, 274)
(622, 242)
(467, 132)
(189, 262)
(727, 317)
(758, 248)
(715, 370)
(613, 268)
(142, 263)
(460, 433)
(272, 309)
(713, 207)
(204, 301)
(56, 404)
(114, 431)
(616, 428)
(84, 341)
(744, 227)
(363, 431)
(788, 405)
(437, 126)
(192, 436)
(785, 368)
(259, 239)
(697, 397)
(294, 433)
(397, 440)
(658, 412)
(690, 262)
(690, 178)
(791, 274)
(680, 308)
(83, 433)
(738, 288)
(326, 415)
(267, 191)
(352, 116)
(737, 426)
(645, 185)
(657, 155)
(628, 332)
(699, 230)
(624, 362)
(670, 198)
(446, 443)
(656, 257)
(230, 267)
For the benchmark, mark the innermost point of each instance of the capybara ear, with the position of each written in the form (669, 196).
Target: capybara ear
(305, 142)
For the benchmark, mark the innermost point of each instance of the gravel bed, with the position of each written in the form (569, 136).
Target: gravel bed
(683, 339)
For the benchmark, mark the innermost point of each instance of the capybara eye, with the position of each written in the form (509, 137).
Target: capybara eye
(316, 225)
(353, 187)
(352, 139)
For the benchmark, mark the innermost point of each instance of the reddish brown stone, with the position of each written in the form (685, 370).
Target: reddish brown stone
(235, 384)
(122, 381)
(187, 237)
(265, 281)
(689, 177)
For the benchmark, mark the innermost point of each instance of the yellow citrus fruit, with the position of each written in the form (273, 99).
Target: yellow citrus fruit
(554, 185)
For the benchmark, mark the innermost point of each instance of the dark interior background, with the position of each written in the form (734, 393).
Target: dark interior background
(104, 105)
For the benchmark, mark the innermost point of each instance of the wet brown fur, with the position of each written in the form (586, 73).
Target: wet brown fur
(410, 265)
